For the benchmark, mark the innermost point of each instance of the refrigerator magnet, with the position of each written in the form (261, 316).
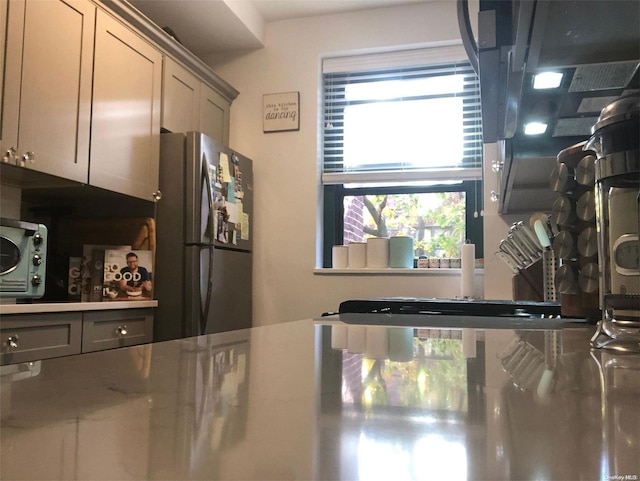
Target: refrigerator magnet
(231, 192)
(224, 167)
(245, 227)
(222, 232)
(232, 212)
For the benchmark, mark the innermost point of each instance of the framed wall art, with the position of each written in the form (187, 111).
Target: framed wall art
(281, 112)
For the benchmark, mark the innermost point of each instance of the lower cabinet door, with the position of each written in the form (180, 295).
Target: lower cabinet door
(117, 328)
(31, 337)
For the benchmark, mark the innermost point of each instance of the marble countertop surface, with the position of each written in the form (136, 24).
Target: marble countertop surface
(47, 307)
(326, 400)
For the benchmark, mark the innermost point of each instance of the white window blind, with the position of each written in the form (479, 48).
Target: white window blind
(405, 116)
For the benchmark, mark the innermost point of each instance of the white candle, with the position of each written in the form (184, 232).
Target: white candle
(340, 257)
(378, 252)
(357, 255)
(468, 264)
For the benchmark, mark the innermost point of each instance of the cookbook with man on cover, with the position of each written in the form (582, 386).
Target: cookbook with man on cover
(127, 275)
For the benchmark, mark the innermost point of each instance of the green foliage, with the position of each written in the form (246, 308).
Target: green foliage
(436, 221)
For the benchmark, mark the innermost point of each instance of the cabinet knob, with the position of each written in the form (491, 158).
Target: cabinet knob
(157, 195)
(28, 157)
(122, 330)
(495, 196)
(12, 342)
(10, 156)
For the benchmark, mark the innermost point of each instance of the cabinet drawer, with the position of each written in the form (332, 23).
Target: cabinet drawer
(27, 338)
(111, 329)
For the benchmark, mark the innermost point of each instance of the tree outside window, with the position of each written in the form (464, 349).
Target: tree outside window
(435, 220)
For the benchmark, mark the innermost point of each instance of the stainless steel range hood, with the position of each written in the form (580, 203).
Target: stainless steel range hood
(595, 44)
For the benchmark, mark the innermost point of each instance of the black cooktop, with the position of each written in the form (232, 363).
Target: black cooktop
(452, 307)
(455, 313)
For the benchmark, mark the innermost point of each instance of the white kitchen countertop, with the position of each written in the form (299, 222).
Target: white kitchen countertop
(44, 307)
(325, 400)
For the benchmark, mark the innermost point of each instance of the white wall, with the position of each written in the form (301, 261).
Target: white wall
(498, 277)
(286, 169)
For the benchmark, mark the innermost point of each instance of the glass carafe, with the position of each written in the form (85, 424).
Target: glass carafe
(615, 142)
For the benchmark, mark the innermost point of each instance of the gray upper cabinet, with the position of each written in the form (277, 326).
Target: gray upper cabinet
(214, 114)
(180, 98)
(84, 94)
(125, 133)
(47, 95)
(189, 104)
(3, 41)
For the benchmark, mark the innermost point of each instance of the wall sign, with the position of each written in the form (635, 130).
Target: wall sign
(281, 112)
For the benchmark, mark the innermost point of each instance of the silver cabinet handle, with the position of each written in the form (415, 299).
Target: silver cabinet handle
(12, 342)
(157, 195)
(122, 330)
(10, 156)
(29, 157)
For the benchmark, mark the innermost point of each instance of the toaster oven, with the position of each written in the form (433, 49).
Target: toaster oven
(23, 259)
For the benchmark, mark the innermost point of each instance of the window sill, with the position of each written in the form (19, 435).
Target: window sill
(444, 271)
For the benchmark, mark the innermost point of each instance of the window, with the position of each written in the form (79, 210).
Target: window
(402, 149)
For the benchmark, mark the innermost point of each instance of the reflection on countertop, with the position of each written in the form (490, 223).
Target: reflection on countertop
(329, 401)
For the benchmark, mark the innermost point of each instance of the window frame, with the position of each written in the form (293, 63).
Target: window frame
(334, 180)
(333, 218)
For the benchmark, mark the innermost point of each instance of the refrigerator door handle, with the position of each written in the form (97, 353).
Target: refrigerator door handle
(206, 176)
(205, 308)
(204, 313)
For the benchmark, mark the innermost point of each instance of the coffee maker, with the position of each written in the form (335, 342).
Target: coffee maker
(615, 140)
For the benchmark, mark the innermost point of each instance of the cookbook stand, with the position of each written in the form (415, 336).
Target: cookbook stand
(138, 232)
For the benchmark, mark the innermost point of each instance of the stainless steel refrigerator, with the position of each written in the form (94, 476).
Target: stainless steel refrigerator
(202, 271)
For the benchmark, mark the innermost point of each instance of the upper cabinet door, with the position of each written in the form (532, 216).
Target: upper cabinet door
(180, 98)
(214, 115)
(47, 96)
(3, 40)
(125, 135)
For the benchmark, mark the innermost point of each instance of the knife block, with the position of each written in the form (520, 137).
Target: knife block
(582, 305)
(528, 284)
